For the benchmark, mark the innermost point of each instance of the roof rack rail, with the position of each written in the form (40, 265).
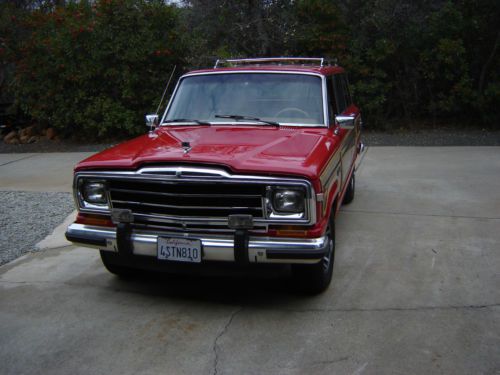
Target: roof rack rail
(320, 61)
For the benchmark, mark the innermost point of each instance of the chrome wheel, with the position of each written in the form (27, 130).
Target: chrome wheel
(315, 278)
(327, 259)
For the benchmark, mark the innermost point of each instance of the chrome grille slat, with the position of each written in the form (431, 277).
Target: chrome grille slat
(171, 219)
(188, 195)
(187, 207)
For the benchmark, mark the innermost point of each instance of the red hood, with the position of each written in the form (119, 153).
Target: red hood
(243, 149)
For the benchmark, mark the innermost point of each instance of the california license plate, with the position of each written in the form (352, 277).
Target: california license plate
(179, 249)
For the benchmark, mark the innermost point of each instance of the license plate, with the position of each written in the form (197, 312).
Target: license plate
(179, 249)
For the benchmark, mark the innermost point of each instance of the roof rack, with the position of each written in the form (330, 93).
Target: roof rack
(320, 61)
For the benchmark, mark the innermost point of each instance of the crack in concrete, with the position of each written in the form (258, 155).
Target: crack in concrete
(14, 161)
(42, 250)
(215, 346)
(329, 362)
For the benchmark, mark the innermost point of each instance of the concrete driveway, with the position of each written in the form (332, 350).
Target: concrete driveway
(416, 290)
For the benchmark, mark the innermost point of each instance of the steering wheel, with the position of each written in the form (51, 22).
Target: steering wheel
(291, 109)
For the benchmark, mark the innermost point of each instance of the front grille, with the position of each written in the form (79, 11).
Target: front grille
(157, 201)
(194, 199)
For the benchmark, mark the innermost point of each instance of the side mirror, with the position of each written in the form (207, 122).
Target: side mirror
(152, 121)
(345, 122)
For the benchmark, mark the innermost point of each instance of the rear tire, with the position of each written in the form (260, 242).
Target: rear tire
(109, 261)
(349, 194)
(315, 278)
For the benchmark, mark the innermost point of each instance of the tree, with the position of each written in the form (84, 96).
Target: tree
(95, 69)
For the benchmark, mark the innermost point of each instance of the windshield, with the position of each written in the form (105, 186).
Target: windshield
(290, 99)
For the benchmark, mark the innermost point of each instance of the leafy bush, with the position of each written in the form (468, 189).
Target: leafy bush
(424, 60)
(95, 69)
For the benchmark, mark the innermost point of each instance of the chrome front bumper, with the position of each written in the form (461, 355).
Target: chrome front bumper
(215, 248)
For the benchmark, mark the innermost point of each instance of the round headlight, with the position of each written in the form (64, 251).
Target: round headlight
(285, 200)
(94, 193)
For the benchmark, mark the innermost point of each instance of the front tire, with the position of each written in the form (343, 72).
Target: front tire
(315, 278)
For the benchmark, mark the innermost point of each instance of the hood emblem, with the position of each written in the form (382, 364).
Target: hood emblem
(186, 147)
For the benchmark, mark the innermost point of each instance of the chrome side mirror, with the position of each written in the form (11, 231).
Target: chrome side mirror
(152, 121)
(345, 122)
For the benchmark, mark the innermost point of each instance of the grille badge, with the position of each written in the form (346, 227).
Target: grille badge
(186, 146)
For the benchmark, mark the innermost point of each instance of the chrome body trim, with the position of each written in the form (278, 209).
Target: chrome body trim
(182, 174)
(215, 247)
(323, 88)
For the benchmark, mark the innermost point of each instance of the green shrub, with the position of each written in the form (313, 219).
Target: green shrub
(94, 70)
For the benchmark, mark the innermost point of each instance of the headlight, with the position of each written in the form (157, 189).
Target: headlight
(288, 200)
(95, 192)
(92, 194)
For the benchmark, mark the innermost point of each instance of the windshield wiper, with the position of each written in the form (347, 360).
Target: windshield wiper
(239, 117)
(187, 120)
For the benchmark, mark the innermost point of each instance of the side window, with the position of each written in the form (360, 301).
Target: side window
(338, 88)
(332, 105)
(347, 92)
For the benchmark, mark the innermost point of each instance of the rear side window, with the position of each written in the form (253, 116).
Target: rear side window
(338, 89)
(332, 105)
(347, 92)
(342, 94)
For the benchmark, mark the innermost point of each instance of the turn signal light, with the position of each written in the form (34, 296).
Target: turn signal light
(289, 231)
(97, 220)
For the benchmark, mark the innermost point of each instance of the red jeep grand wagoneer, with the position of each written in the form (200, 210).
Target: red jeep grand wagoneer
(249, 164)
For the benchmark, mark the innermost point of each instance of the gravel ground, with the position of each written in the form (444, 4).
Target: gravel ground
(26, 218)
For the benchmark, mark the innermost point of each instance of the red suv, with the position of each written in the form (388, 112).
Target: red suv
(248, 165)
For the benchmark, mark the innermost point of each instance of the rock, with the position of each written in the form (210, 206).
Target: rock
(30, 131)
(24, 138)
(10, 136)
(51, 133)
(12, 141)
(34, 139)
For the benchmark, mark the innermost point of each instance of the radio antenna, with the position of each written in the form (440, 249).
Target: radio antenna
(165, 91)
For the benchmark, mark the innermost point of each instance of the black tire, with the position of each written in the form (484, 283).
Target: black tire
(315, 278)
(109, 262)
(349, 194)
